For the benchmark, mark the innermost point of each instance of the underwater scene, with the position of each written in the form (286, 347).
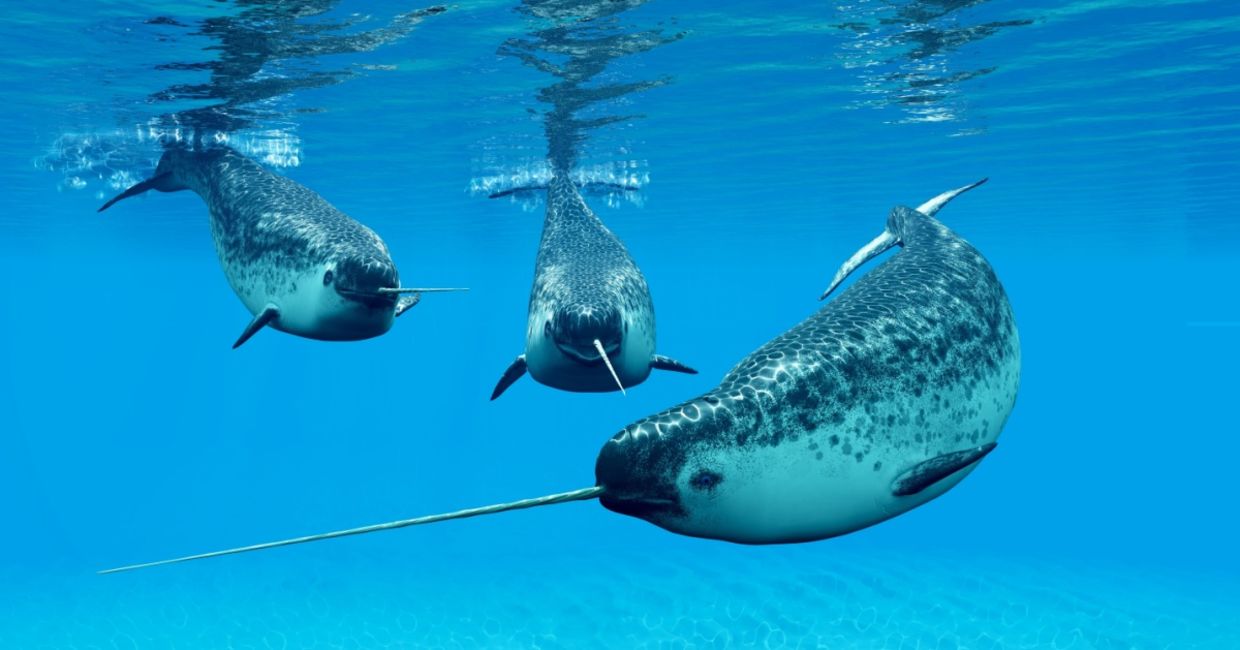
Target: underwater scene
(878, 324)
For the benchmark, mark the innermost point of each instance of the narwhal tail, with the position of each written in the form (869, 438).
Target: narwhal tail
(164, 182)
(562, 497)
(931, 207)
(887, 239)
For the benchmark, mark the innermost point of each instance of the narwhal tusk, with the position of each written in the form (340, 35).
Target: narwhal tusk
(598, 345)
(420, 290)
(563, 497)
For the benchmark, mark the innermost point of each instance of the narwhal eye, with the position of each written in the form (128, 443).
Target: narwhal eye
(327, 277)
(706, 480)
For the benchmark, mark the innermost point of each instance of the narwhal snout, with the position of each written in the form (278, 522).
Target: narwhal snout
(630, 488)
(360, 280)
(575, 329)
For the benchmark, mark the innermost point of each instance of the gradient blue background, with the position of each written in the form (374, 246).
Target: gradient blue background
(130, 432)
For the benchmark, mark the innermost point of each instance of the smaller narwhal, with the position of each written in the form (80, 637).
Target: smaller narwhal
(884, 399)
(300, 265)
(591, 319)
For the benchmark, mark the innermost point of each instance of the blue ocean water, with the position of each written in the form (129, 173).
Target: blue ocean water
(770, 140)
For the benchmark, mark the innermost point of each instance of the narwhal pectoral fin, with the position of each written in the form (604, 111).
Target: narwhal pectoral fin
(264, 317)
(880, 245)
(927, 473)
(162, 182)
(410, 296)
(660, 362)
(511, 375)
(407, 302)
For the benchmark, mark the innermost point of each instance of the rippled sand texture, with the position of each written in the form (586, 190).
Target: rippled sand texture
(803, 598)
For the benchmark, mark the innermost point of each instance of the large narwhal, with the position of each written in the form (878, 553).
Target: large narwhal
(591, 320)
(300, 265)
(881, 401)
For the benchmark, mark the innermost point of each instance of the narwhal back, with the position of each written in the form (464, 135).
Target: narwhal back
(260, 216)
(580, 261)
(933, 315)
(882, 361)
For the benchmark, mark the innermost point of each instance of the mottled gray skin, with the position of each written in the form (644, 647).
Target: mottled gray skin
(586, 287)
(283, 245)
(806, 436)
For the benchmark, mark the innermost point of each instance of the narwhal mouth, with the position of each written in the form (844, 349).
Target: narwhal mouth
(638, 505)
(587, 354)
(373, 299)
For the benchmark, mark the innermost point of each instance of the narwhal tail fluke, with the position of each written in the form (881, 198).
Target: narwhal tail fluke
(594, 186)
(162, 182)
(562, 497)
(887, 239)
(931, 207)
(868, 252)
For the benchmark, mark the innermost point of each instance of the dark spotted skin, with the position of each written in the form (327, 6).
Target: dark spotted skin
(583, 272)
(269, 229)
(907, 364)
(586, 288)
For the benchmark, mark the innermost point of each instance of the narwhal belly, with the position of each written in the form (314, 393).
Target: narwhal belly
(842, 473)
(276, 269)
(881, 401)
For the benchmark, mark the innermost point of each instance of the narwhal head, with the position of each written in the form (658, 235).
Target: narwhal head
(677, 471)
(580, 329)
(357, 300)
(361, 279)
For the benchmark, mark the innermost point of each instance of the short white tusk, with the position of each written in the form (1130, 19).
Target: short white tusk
(598, 345)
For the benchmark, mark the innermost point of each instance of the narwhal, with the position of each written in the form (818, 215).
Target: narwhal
(591, 319)
(300, 265)
(884, 399)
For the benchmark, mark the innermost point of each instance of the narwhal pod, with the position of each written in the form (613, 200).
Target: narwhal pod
(591, 320)
(881, 401)
(300, 265)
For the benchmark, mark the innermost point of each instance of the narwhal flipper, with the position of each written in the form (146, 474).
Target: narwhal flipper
(927, 473)
(660, 362)
(887, 239)
(268, 314)
(511, 375)
(162, 182)
(411, 296)
(407, 302)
